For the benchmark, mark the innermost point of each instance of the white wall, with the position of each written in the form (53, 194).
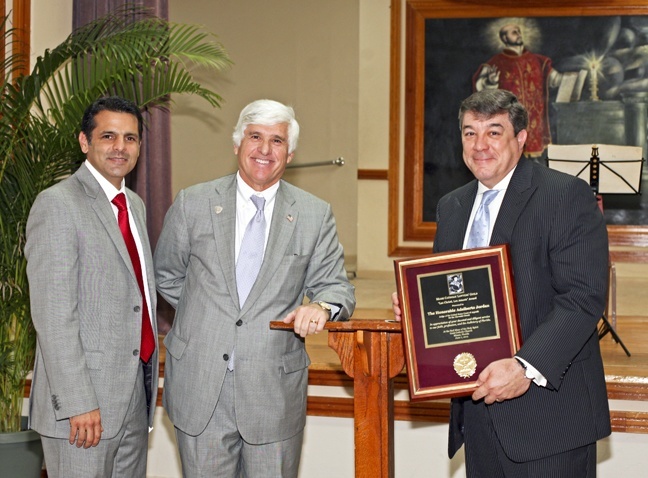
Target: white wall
(51, 24)
(373, 134)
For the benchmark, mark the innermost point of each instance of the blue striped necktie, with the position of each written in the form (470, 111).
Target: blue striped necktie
(479, 233)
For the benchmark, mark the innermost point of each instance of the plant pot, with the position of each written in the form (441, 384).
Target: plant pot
(21, 454)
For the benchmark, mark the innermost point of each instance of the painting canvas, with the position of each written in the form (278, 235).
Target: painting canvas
(595, 73)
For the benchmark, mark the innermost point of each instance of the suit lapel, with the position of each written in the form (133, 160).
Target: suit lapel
(104, 211)
(465, 205)
(282, 227)
(222, 209)
(518, 193)
(457, 215)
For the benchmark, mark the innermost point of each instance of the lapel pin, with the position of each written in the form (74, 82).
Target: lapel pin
(290, 218)
(218, 209)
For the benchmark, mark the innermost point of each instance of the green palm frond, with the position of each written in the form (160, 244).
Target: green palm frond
(129, 53)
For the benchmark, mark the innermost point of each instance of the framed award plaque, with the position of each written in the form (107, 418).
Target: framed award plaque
(459, 314)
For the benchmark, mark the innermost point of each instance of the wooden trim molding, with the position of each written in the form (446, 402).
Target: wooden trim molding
(373, 174)
(439, 412)
(619, 388)
(639, 255)
(3, 11)
(394, 125)
(21, 16)
(629, 422)
(20, 21)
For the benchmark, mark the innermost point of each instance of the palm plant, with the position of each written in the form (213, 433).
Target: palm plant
(127, 53)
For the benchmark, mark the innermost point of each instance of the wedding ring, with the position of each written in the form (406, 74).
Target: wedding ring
(313, 321)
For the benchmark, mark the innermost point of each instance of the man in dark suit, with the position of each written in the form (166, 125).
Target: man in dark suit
(234, 389)
(540, 413)
(93, 305)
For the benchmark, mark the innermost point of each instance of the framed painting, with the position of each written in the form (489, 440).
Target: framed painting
(580, 67)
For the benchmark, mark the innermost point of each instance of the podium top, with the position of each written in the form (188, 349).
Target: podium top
(370, 325)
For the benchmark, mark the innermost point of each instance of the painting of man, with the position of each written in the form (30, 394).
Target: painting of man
(526, 74)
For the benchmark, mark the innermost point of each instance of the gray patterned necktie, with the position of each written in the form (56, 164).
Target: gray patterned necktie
(251, 252)
(478, 236)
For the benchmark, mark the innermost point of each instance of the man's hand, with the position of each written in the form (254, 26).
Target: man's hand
(309, 319)
(501, 380)
(86, 429)
(492, 75)
(396, 307)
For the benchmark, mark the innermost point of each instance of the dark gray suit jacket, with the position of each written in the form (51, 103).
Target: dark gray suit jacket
(195, 272)
(86, 307)
(559, 250)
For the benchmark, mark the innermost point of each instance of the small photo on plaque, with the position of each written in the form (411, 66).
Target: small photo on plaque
(459, 314)
(455, 283)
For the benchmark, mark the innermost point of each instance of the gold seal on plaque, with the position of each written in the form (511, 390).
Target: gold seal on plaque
(465, 364)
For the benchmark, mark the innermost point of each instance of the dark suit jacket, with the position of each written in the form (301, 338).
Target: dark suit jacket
(559, 250)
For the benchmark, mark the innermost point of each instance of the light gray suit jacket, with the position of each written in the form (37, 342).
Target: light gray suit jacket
(86, 307)
(195, 272)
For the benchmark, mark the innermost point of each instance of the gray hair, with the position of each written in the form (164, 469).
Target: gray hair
(488, 103)
(267, 113)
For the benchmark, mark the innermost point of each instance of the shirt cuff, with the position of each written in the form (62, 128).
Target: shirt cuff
(531, 372)
(335, 310)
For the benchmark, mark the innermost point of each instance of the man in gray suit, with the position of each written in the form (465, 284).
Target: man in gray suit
(93, 305)
(234, 389)
(540, 413)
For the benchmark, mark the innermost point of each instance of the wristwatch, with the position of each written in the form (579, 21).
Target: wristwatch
(527, 373)
(325, 307)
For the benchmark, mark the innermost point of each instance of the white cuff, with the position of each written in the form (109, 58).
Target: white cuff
(532, 373)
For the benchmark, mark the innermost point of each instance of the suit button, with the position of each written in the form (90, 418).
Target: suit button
(239, 322)
(135, 353)
(226, 357)
(136, 308)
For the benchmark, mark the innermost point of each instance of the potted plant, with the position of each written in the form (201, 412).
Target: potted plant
(128, 53)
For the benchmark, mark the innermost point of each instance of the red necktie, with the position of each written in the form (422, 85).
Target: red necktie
(147, 346)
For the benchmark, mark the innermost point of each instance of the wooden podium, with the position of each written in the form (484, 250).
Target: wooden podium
(371, 352)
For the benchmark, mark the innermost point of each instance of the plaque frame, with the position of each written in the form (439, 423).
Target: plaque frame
(451, 337)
